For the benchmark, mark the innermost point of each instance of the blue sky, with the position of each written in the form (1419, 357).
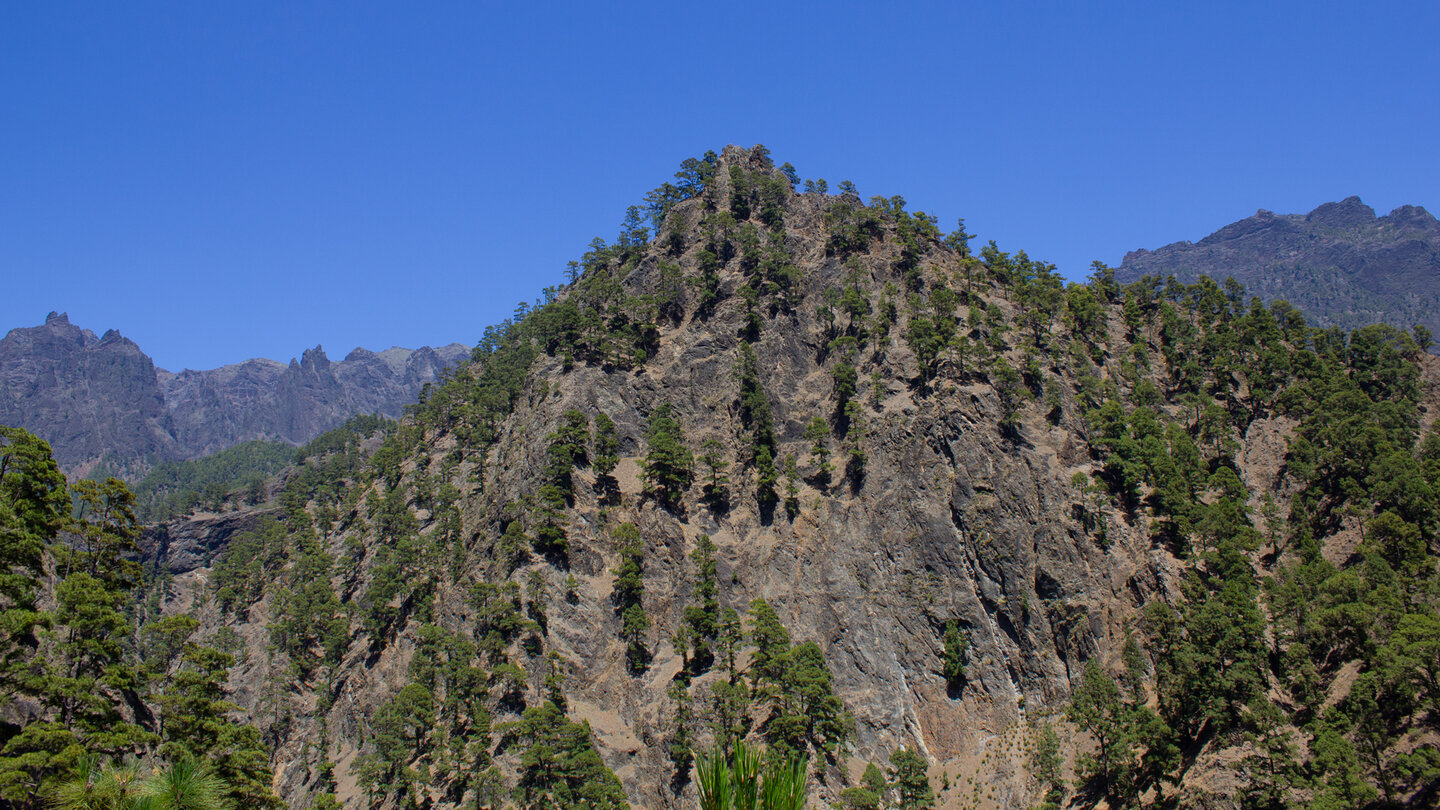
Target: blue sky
(223, 180)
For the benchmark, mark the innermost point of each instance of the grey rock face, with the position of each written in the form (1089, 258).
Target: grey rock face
(85, 395)
(180, 546)
(1340, 264)
(954, 519)
(103, 398)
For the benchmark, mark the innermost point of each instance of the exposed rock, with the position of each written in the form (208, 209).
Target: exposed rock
(962, 513)
(1340, 264)
(102, 399)
(88, 396)
(181, 546)
(955, 519)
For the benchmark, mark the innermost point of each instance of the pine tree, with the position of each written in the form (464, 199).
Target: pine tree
(909, 780)
(771, 642)
(818, 434)
(629, 593)
(196, 719)
(702, 616)
(34, 504)
(717, 484)
(668, 465)
(956, 648)
(559, 766)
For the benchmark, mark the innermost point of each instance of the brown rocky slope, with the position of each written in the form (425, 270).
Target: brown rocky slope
(967, 510)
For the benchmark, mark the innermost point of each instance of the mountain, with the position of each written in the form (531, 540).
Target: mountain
(103, 400)
(799, 470)
(89, 397)
(214, 409)
(1340, 264)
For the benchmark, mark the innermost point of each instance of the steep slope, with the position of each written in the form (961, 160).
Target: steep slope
(102, 399)
(1340, 264)
(88, 396)
(958, 484)
(261, 398)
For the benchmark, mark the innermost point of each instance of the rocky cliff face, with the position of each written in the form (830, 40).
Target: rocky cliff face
(212, 410)
(102, 399)
(1340, 264)
(88, 396)
(967, 509)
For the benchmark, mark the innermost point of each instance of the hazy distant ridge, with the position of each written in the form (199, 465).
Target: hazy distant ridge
(1340, 264)
(103, 398)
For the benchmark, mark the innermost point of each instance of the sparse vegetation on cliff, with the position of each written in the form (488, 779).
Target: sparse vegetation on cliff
(1178, 542)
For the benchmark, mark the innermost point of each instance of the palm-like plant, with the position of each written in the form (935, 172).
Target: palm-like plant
(97, 787)
(750, 781)
(186, 785)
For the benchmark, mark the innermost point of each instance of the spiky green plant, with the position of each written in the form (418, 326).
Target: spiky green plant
(186, 785)
(97, 787)
(748, 780)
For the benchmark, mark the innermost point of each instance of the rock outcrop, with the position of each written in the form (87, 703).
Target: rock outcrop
(974, 504)
(1340, 264)
(89, 397)
(102, 400)
(183, 545)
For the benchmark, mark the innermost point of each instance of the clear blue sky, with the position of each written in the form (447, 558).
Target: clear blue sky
(221, 180)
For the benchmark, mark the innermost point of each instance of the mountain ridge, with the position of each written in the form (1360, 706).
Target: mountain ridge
(962, 488)
(102, 400)
(1340, 264)
(801, 470)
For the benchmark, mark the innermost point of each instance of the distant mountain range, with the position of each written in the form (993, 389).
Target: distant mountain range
(1340, 264)
(102, 400)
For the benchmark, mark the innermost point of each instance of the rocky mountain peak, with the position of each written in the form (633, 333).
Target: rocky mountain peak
(1413, 216)
(313, 360)
(1348, 213)
(1340, 265)
(956, 487)
(797, 470)
(103, 399)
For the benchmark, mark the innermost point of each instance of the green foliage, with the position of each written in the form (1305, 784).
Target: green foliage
(247, 564)
(606, 450)
(184, 785)
(700, 631)
(681, 747)
(176, 487)
(869, 793)
(818, 434)
(197, 723)
(1118, 727)
(749, 779)
(310, 625)
(78, 665)
(794, 687)
(717, 483)
(498, 617)
(792, 487)
(34, 505)
(957, 646)
(559, 766)
(567, 449)
(771, 642)
(629, 597)
(755, 412)
(668, 467)
(1046, 761)
(1323, 667)
(909, 780)
(400, 731)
